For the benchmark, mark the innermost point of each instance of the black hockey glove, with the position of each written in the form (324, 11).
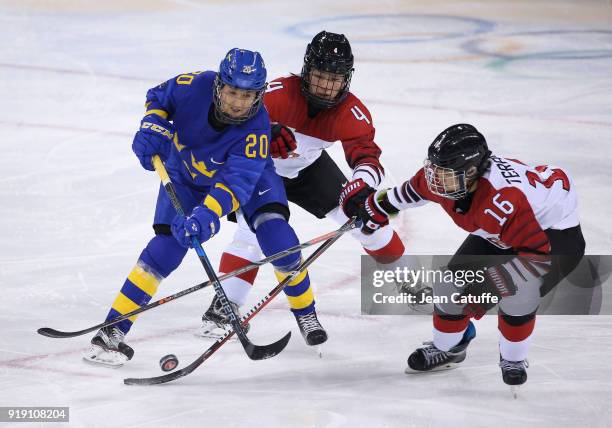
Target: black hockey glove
(353, 196)
(372, 215)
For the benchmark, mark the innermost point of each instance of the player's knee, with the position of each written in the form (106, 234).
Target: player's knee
(269, 212)
(274, 235)
(164, 254)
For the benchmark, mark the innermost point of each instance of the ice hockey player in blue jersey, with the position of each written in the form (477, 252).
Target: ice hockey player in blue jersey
(212, 133)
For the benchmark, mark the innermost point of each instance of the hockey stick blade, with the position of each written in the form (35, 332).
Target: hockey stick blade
(254, 311)
(256, 352)
(58, 334)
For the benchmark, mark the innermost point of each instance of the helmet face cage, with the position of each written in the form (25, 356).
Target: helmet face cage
(446, 182)
(310, 88)
(224, 117)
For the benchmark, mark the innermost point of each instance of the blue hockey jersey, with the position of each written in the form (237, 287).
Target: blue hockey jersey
(225, 164)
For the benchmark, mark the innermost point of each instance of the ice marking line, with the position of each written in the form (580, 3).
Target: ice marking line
(508, 47)
(475, 46)
(69, 71)
(433, 60)
(305, 29)
(64, 128)
(20, 362)
(62, 371)
(490, 113)
(578, 53)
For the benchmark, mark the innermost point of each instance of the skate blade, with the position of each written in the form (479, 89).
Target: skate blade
(319, 350)
(105, 358)
(213, 332)
(514, 389)
(449, 366)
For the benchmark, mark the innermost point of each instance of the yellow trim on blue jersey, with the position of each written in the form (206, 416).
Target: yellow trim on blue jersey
(214, 205)
(282, 275)
(200, 166)
(123, 304)
(178, 146)
(302, 301)
(158, 112)
(235, 203)
(144, 280)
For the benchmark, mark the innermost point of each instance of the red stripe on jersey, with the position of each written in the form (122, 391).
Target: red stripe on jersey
(231, 262)
(515, 333)
(390, 252)
(450, 326)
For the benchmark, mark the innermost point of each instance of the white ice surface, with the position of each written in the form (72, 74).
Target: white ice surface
(534, 77)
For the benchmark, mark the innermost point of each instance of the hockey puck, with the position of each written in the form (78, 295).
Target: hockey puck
(168, 363)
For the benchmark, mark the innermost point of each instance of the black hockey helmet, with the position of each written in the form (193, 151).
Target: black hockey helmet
(331, 53)
(456, 157)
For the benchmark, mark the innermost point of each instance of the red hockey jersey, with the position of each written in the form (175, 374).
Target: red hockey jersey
(512, 206)
(349, 122)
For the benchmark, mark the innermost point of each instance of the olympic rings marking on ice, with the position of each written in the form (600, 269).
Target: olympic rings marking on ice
(303, 29)
(475, 47)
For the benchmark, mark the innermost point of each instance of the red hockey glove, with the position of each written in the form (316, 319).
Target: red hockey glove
(353, 196)
(498, 282)
(283, 141)
(372, 216)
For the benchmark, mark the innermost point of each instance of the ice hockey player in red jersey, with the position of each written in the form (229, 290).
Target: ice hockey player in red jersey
(309, 113)
(526, 214)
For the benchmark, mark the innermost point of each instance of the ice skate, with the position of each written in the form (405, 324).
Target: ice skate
(429, 358)
(108, 348)
(215, 322)
(313, 332)
(514, 373)
(422, 295)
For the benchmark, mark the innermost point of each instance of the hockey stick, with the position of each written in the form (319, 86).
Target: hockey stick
(245, 319)
(58, 334)
(255, 352)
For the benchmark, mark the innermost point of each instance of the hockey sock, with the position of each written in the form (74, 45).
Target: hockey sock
(515, 338)
(384, 245)
(161, 256)
(243, 250)
(276, 235)
(448, 330)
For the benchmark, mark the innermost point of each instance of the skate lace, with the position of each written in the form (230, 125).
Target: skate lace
(309, 322)
(432, 354)
(218, 309)
(513, 365)
(412, 288)
(115, 337)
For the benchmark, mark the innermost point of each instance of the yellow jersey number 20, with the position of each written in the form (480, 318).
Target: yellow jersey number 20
(254, 146)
